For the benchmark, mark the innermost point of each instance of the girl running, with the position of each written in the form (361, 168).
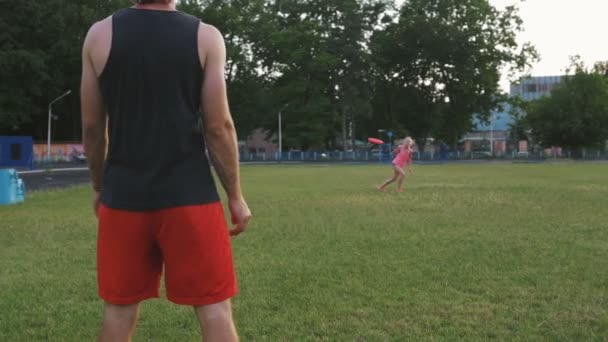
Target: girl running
(404, 157)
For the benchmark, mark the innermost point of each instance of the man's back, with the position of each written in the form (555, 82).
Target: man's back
(151, 85)
(146, 72)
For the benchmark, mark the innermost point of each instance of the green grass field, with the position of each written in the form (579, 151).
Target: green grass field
(469, 252)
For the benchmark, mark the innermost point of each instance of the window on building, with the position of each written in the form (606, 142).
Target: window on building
(261, 150)
(531, 88)
(545, 88)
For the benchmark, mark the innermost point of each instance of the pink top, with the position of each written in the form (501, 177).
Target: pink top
(403, 157)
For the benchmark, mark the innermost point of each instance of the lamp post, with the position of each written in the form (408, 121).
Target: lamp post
(492, 134)
(281, 131)
(48, 141)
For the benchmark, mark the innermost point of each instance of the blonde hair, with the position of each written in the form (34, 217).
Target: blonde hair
(410, 142)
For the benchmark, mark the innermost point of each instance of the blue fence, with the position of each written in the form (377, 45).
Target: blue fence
(382, 156)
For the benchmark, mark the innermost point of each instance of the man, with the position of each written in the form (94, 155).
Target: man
(148, 71)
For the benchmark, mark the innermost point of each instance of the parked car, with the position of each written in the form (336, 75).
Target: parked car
(78, 156)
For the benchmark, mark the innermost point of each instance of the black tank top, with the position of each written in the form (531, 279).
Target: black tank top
(151, 87)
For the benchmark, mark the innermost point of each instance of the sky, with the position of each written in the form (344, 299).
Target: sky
(559, 29)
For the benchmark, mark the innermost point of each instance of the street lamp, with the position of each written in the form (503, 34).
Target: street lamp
(48, 141)
(492, 134)
(281, 132)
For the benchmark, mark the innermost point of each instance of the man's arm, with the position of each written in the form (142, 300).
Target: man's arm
(93, 114)
(219, 132)
(219, 128)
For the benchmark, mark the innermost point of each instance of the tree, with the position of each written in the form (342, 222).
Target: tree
(575, 116)
(242, 23)
(40, 43)
(601, 68)
(316, 62)
(352, 23)
(345, 68)
(518, 128)
(440, 62)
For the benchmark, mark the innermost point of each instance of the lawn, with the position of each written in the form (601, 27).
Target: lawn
(468, 252)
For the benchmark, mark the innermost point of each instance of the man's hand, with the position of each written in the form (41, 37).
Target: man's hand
(240, 214)
(96, 204)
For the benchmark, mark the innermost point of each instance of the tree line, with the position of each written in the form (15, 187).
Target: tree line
(338, 70)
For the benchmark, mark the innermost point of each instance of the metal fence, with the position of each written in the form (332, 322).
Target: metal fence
(373, 156)
(312, 156)
(376, 156)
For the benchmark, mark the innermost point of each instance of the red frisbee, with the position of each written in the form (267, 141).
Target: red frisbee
(375, 141)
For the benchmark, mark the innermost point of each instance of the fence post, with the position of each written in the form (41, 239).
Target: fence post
(315, 155)
(367, 155)
(340, 155)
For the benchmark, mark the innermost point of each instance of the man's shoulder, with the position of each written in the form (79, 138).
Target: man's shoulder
(209, 31)
(209, 39)
(100, 28)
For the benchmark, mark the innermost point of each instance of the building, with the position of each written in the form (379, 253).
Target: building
(533, 88)
(258, 144)
(493, 135)
(490, 136)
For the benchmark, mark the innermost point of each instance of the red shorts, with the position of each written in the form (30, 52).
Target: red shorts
(192, 242)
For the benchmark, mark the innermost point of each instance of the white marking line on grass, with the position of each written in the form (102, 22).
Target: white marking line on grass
(86, 169)
(53, 170)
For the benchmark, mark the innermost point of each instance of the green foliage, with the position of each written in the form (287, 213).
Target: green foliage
(519, 128)
(317, 63)
(440, 64)
(40, 44)
(339, 69)
(575, 116)
(601, 68)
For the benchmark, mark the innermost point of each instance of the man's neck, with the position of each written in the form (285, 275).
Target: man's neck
(170, 6)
